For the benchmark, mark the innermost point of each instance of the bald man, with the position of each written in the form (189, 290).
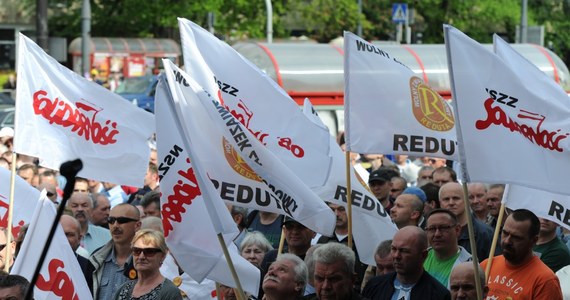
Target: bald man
(72, 230)
(462, 282)
(410, 281)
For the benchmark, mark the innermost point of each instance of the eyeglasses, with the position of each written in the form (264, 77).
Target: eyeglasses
(396, 190)
(440, 228)
(2, 247)
(50, 194)
(148, 252)
(120, 220)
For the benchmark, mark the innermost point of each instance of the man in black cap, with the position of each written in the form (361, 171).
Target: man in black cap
(298, 239)
(380, 185)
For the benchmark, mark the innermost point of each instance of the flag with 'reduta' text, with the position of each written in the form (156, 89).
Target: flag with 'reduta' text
(61, 116)
(512, 126)
(390, 109)
(371, 224)
(190, 226)
(60, 276)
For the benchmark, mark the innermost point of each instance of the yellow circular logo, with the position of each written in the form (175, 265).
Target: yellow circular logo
(429, 108)
(132, 274)
(237, 163)
(177, 280)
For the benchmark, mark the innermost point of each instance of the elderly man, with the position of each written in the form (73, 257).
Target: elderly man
(285, 279)
(478, 200)
(518, 273)
(334, 275)
(111, 260)
(94, 237)
(451, 197)
(462, 282)
(5, 248)
(410, 281)
(101, 209)
(72, 230)
(494, 197)
(442, 231)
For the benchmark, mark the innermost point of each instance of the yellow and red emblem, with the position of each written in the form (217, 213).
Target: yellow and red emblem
(237, 163)
(429, 108)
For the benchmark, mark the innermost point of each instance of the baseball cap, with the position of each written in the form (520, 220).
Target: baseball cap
(289, 220)
(412, 190)
(382, 174)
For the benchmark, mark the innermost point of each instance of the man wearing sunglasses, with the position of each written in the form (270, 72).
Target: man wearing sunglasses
(111, 260)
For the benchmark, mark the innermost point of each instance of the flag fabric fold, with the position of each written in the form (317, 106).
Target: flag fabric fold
(61, 116)
(25, 196)
(371, 224)
(257, 101)
(390, 109)
(266, 179)
(60, 276)
(188, 226)
(509, 120)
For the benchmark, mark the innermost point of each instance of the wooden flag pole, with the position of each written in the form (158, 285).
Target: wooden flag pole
(495, 238)
(9, 241)
(349, 198)
(240, 294)
(472, 241)
(281, 242)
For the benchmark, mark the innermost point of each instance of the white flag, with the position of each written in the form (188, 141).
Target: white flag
(547, 205)
(255, 100)
(371, 224)
(190, 287)
(25, 196)
(61, 116)
(510, 128)
(390, 109)
(60, 276)
(226, 136)
(188, 227)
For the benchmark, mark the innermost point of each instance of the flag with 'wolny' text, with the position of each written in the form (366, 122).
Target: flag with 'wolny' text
(509, 120)
(60, 276)
(61, 116)
(190, 226)
(390, 109)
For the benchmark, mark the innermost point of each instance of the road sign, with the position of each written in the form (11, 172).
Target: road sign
(399, 12)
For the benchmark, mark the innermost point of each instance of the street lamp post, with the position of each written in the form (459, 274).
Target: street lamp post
(85, 37)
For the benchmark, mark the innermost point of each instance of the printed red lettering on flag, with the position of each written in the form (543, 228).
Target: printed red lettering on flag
(61, 113)
(59, 282)
(4, 220)
(183, 193)
(543, 138)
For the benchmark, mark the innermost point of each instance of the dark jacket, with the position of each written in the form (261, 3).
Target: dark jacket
(382, 287)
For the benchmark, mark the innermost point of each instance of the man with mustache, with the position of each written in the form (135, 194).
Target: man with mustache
(286, 278)
(518, 273)
(113, 259)
(94, 237)
(442, 231)
(410, 281)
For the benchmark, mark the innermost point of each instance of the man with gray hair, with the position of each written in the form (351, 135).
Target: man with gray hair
(101, 210)
(286, 278)
(334, 274)
(81, 206)
(462, 282)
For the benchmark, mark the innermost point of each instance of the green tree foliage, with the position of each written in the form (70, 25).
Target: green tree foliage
(479, 19)
(553, 14)
(326, 19)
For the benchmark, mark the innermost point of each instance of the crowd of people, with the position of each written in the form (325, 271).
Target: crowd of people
(116, 233)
